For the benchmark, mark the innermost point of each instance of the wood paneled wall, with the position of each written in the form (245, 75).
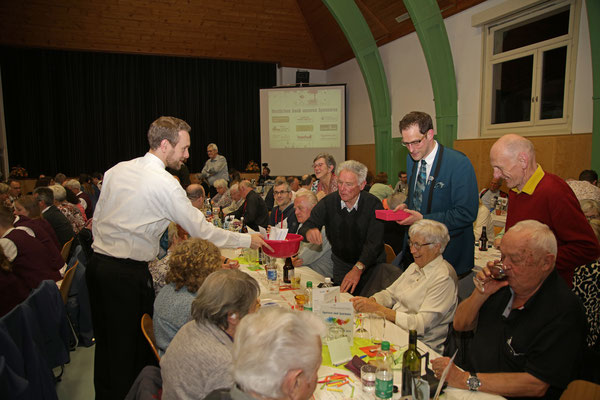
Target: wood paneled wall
(365, 153)
(563, 155)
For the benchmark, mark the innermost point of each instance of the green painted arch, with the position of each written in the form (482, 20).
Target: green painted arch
(593, 12)
(390, 155)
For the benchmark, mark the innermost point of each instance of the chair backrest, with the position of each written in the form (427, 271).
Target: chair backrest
(66, 250)
(389, 253)
(148, 330)
(66, 283)
(581, 390)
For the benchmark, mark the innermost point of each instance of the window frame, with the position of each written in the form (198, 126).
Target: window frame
(535, 126)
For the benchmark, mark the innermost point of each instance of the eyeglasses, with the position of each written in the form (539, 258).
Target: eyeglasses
(277, 193)
(417, 246)
(415, 142)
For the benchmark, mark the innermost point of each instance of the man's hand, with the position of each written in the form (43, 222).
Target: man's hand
(490, 285)
(364, 304)
(455, 378)
(257, 242)
(314, 236)
(231, 264)
(296, 261)
(415, 216)
(350, 280)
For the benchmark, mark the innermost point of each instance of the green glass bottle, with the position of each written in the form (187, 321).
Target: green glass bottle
(411, 364)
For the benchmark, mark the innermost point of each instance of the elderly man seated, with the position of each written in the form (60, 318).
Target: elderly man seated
(529, 328)
(315, 256)
(427, 289)
(223, 197)
(198, 360)
(236, 199)
(291, 375)
(254, 209)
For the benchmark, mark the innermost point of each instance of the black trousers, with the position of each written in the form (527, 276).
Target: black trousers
(120, 293)
(341, 268)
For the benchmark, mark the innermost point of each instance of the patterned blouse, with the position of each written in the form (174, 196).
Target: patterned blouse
(222, 200)
(320, 187)
(73, 215)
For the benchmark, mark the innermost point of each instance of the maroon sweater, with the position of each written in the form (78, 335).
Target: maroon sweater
(32, 264)
(554, 204)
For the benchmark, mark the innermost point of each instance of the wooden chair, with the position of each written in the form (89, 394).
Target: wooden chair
(389, 253)
(148, 330)
(66, 250)
(65, 286)
(581, 390)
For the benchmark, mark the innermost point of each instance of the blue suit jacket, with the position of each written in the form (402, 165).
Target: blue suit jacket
(454, 203)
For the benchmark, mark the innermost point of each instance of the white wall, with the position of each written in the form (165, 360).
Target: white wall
(410, 85)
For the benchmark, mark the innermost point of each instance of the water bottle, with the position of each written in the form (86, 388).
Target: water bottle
(384, 379)
(309, 300)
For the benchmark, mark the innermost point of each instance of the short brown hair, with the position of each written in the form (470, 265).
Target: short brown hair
(191, 261)
(419, 118)
(30, 204)
(166, 128)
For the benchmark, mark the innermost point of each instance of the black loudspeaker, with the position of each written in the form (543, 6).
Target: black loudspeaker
(302, 76)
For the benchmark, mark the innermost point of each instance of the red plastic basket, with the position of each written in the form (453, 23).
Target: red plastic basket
(284, 248)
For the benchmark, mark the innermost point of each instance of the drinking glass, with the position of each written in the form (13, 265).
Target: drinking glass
(377, 323)
(367, 377)
(361, 326)
(497, 273)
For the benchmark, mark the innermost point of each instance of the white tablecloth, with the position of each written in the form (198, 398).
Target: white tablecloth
(393, 333)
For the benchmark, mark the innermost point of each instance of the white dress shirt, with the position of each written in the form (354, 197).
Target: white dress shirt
(429, 293)
(139, 198)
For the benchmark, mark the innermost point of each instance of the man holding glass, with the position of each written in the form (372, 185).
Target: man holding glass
(529, 328)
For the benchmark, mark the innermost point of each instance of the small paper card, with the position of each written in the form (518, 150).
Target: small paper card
(340, 315)
(339, 351)
(324, 296)
(277, 233)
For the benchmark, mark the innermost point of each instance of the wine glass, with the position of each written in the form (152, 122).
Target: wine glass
(361, 330)
(497, 272)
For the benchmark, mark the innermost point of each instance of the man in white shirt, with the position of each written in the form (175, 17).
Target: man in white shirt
(139, 199)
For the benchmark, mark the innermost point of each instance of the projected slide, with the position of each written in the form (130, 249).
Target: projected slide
(305, 118)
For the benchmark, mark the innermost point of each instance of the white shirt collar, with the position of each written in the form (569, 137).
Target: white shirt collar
(153, 158)
(354, 207)
(8, 231)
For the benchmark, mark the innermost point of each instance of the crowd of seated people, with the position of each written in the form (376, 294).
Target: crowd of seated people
(199, 302)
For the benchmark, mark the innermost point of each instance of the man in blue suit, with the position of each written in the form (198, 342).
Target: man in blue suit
(444, 189)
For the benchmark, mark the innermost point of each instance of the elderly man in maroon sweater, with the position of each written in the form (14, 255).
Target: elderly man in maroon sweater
(544, 197)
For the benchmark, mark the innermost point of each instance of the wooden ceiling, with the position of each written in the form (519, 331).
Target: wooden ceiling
(293, 33)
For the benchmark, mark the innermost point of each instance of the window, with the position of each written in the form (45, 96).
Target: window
(528, 70)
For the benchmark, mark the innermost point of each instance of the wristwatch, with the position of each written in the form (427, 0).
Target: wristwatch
(473, 382)
(359, 266)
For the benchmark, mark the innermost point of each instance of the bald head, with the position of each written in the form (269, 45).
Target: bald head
(195, 193)
(513, 159)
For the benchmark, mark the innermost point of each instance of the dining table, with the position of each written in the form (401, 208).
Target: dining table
(394, 334)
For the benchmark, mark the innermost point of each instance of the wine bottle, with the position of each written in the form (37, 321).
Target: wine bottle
(411, 364)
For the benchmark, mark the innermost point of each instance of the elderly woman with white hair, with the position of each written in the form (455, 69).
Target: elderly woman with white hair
(73, 214)
(290, 375)
(223, 197)
(198, 359)
(427, 289)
